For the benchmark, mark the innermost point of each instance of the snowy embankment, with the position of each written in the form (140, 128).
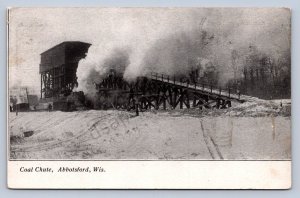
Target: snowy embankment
(235, 133)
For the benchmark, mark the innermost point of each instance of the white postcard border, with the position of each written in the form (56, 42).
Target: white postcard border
(151, 175)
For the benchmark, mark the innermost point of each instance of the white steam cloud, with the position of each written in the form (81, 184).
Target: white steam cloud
(172, 41)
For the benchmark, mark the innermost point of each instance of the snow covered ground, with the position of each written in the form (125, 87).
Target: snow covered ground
(252, 130)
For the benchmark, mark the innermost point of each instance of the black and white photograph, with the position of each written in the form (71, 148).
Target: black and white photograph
(149, 84)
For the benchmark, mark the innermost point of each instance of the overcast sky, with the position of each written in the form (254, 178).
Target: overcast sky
(34, 30)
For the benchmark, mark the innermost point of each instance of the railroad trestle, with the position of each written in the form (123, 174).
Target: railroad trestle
(153, 92)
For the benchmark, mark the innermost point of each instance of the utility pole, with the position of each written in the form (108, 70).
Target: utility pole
(27, 95)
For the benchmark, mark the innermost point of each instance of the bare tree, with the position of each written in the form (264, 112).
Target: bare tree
(234, 58)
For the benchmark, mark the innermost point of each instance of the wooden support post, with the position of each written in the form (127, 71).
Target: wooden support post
(200, 103)
(218, 104)
(194, 100)
(229, 103)
(229, 92)
(175, 98)
(224, 103)
(41, 85)
(181, 99)
(170, 97)
(156, 102)
(53, 82)
(140, 101)
(145, 103)
(210, 88)
(149, 103)
(164, 102)
(187, 99)
(137, 109)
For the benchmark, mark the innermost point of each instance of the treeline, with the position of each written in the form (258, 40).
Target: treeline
(253, 73)
(262, 75)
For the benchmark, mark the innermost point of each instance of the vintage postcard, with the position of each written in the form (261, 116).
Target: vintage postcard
(149, 98)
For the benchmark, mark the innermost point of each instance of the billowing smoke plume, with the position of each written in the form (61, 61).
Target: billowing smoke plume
(117, 60)
(179, 53)
(180, 41)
